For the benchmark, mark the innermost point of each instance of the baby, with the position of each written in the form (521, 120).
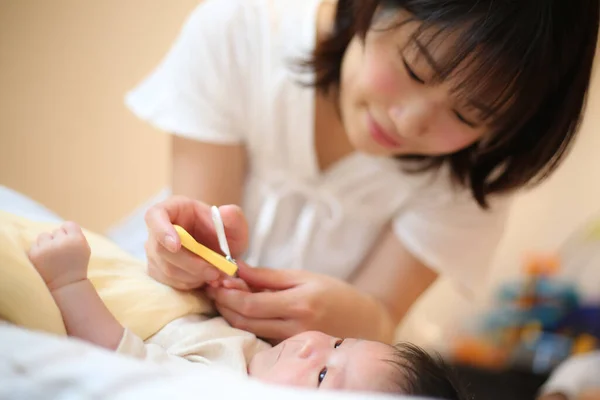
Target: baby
(310, 359)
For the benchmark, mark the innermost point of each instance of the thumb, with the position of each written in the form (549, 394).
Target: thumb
(236, 228)
(266, 278)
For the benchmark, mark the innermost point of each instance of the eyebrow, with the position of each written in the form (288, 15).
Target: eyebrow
(486, 110)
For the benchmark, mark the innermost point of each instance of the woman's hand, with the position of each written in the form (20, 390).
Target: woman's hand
(175, 266)
(283, 303)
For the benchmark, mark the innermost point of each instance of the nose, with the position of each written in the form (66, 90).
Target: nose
(314, 342)
(410, 121)
(309, 347)
(306, 349)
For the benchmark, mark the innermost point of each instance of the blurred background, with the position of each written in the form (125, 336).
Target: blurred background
(67, 141)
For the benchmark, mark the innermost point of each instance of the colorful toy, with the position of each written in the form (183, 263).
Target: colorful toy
(538, 322)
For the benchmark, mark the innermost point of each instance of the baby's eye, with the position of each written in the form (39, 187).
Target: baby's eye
(322, 375)
(338, 343)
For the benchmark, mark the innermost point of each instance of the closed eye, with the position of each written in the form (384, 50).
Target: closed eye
(464, 120)
(411, 73)
(338, 343)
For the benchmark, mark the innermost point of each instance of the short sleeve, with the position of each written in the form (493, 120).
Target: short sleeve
(196, 91)
(450, 233)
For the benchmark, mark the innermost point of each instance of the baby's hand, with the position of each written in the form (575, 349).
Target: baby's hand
(61, 257)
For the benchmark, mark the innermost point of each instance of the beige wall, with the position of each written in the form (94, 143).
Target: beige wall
(65, 137)
(67, 140)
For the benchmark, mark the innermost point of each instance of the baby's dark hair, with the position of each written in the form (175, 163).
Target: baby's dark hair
(418, 373)
(530, 61)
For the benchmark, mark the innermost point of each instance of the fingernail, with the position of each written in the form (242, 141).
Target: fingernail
(170, 243)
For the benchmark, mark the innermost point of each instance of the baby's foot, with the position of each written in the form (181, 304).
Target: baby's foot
(61, 257)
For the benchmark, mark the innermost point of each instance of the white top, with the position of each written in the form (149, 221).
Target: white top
(227, 79)
(195, 339)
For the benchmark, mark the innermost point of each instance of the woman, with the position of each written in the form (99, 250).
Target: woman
(372, 145)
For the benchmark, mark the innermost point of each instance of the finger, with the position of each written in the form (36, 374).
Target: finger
(186, 261)
(266, 278)
(32, 252)
(71, 228)
(235, 283)
(44, 238)
(161, 217)
(59, 234)
(176, 278)
(214, 284)
(253, 305)
(265, 328)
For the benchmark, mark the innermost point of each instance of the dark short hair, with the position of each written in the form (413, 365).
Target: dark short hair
(533, 57)
(417, 373)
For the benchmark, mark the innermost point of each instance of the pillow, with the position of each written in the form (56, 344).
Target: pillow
(140, 303)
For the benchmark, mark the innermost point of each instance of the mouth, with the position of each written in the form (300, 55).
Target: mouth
(380, 135)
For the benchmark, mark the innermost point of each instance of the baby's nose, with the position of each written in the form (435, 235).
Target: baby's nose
(306, 349)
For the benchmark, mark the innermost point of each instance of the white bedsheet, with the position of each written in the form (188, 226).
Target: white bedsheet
(40, 366)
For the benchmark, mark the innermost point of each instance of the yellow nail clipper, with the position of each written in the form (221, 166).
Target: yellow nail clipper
(225, 263)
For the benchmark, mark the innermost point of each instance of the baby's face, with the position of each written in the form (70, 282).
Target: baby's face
(317, 360)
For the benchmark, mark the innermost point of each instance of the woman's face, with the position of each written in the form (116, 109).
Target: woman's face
(389, 103)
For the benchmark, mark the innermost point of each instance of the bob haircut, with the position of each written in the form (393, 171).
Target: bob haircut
(531, 59)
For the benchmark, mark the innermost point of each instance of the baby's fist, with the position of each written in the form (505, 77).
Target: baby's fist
(61, 257)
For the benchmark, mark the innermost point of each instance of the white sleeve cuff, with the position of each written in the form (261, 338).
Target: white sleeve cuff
(131, 345)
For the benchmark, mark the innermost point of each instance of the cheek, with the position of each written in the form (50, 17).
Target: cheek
(368, 73)
(379, 76)
(450, 138)
(291, 374)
